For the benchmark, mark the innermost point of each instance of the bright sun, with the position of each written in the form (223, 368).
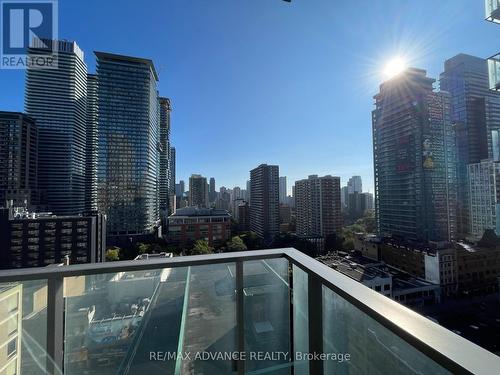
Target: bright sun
(394, 67)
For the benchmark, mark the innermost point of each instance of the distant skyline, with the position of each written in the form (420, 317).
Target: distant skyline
(268, 81)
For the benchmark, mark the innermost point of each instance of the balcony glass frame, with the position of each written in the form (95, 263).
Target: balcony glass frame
(492, 9)
(447, 349)
(494, 71)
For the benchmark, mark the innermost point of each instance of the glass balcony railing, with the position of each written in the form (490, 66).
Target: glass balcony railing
(255, 312)
(494, 72)
(492, 8)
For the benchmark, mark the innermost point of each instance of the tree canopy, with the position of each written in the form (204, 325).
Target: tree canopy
(236, 244)
(201, 247)
(113, 254)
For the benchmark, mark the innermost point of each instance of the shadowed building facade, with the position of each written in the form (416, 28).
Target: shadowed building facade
(264, 200)
(18, 159)
(475, 113)
(129, 144)
(57, 100)
(414, 159)
(165, 179)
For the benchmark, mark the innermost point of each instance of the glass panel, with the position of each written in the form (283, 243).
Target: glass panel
(372, 348)
(23, 328)
(108, 315)
(267, 316)
(210, 326)
(495, 144)
(492, 9)
(151, 321)
(300, 321)
(494, 72)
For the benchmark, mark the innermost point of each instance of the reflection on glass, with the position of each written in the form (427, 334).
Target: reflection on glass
(492, 8)
(495, 144)
(158, 321)
(373, 349)
(209, 328)
(108, 315)
(23, 333)
(267, 314)
(300, 320)
(494, 72)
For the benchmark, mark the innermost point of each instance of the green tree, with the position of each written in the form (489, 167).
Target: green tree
(201, 247)
(113, 254)
(236, 244)
(143, 248)
(252, 241)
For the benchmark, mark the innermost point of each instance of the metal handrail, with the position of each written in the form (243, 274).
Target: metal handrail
(446, 348)
(41, 273)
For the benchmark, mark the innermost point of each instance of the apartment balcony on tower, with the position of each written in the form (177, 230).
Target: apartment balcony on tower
(492, 10)
(255, 312)
(494, 72)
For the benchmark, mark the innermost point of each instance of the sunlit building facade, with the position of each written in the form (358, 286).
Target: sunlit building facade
(318, 207)
(484, 197)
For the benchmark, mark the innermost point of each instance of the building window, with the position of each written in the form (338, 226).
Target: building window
(12, 347)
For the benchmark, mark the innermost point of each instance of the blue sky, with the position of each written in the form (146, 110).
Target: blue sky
(265, 81)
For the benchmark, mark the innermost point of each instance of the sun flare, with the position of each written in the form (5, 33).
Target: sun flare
(394, 67)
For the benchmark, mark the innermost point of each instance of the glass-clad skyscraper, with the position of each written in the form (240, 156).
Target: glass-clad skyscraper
(57, 99)
(414, 159)
(476, 115)
(129, 144)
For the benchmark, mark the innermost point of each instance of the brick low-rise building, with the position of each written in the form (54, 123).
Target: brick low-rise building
(192, 223)
(460, 268)
(385, 279)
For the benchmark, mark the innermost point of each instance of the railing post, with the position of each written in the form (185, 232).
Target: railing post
(240, 315)
(55, 325)
(315, 309)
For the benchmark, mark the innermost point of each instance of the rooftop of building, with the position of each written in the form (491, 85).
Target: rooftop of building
(358, 268)
(199, 211)
(148, 256)
(361, 268)
(315, 176)
(369, 237)
(167, 103)
(430, 247)
(20, 213)
(62, 46)
(141, 60)
(15, 115)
